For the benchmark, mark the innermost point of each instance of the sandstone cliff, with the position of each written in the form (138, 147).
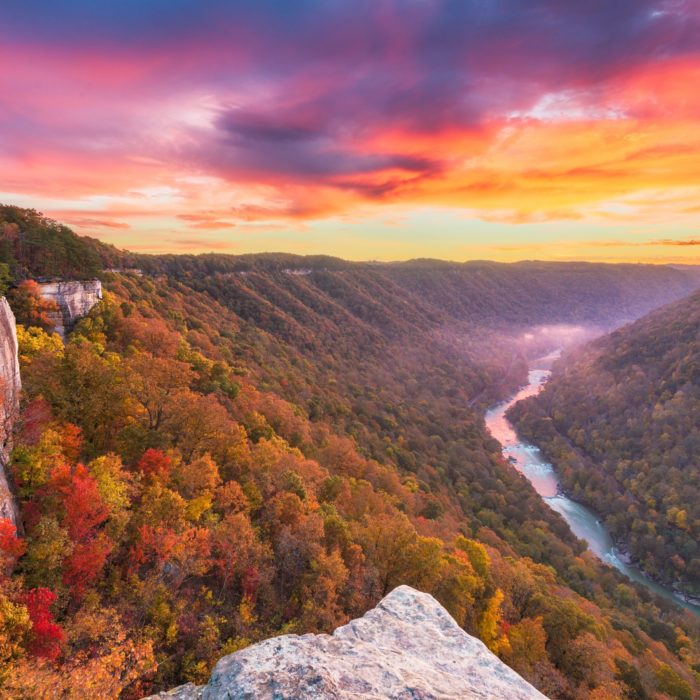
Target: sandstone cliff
(74, 300)
(407, 647)
(10, 386)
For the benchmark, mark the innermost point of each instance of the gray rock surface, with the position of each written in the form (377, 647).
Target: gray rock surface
(10, 386)
(408, 647)
(74, 299)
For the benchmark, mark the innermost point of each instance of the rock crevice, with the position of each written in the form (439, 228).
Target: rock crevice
(408, 647)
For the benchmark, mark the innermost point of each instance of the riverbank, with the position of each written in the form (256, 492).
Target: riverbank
(584, 523)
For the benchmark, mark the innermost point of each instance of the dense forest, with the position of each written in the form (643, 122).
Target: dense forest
(31, 245)
(620, 419)
(220, 455)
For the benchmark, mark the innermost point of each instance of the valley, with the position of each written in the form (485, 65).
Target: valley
(220, 452)
(619, 419)
(584, 522)
(350, 350)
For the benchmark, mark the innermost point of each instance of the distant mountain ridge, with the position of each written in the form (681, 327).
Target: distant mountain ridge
(480, 292)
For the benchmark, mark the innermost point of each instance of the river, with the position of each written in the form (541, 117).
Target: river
(528, 459)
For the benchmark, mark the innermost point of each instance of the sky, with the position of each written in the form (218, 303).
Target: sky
(366, 129)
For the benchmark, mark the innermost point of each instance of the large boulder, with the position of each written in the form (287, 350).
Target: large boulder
(408, 647)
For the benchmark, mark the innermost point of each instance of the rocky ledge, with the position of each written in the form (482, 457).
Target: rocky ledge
(74, 299)
(408, 647)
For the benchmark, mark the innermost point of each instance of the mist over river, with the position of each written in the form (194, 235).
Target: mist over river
(528, 460)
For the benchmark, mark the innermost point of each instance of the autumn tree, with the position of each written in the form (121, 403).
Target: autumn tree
(11, 546)
(30, 308)
(153, 383)
(46, 635)
(527, 640)
(15, 626)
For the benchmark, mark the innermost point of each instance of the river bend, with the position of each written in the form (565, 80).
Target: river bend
(528, 459)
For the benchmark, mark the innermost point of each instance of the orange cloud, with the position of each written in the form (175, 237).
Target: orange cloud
(123, 142)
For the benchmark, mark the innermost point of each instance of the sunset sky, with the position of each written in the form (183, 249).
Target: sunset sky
(382, 129)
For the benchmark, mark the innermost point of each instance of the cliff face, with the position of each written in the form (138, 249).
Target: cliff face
(74, 300)
(10, 386)
(407, 647)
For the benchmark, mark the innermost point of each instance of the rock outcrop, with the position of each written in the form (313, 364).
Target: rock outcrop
(10, 386)
(74, 300)
(408, 647)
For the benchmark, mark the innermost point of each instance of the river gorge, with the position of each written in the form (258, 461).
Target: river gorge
(530, 461)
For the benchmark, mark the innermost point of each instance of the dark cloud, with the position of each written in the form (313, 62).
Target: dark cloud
(249, 126)
(249, 144)
(594, 31)
(441, 39)
(312, 80)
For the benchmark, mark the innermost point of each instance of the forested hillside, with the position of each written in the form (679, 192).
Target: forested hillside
(621, 420)
(497, 293)
(217, 456)
(32, 245)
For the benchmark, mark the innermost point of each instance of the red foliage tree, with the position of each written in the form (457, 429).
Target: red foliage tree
(71, 441)
(81, 500)
(182, 554)
(84, 565)
(11, 546)
(46, 635)
(155, 464)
